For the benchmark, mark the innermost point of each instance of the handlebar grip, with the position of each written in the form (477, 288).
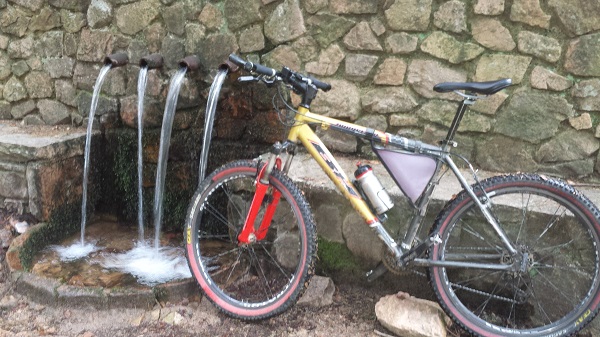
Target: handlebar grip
(238, 61)
(249, 66)
(321, 85)
(259, 68)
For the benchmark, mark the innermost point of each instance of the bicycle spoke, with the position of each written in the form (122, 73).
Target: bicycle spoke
(539, 305)
(551, 223)
(556, 258)
(524, 213)
(220, 217)
(265, 284)
(241, 213)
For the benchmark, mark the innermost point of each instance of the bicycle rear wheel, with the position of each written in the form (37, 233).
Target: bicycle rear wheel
(556, 231)
(249, 280)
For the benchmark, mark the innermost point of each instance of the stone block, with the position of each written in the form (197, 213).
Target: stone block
(409, 15)
(343, 100)
(328, 62)
(489, 7)
(391, 72)
(285, 23)
(408, 316)
(424, 74)
(496, 66)
(359, 66)
(451, 16)
(529, 12)
(240, 13)
(361, 37)
(319, 292)
(14, 182)
(545, 79)
(545, 48)
(133, 18)
(47, 183)
(327, 28)
(492, 34)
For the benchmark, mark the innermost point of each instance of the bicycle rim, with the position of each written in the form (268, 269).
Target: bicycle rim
(255, 280)
(557, 290)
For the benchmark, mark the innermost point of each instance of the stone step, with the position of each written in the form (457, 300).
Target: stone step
(40, 167)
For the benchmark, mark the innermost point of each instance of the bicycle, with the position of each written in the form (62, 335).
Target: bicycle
(511, 255)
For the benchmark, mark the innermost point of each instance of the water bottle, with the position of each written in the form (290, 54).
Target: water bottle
(372, 188)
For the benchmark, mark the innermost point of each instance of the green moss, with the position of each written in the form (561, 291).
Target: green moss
(63, 222)
(335, 257)
(160, 293)
(175, 208)
(125, 173)
(595, 119)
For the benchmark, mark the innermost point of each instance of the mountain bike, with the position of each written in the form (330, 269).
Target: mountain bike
(511, 255)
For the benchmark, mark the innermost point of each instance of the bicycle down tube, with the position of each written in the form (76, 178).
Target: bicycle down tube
(315, 147)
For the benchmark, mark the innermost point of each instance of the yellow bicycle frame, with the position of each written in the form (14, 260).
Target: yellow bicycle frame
(302, 133)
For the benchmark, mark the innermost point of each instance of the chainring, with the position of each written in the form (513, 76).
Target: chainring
(389, 261)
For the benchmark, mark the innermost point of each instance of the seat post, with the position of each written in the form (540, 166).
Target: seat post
(460, 112)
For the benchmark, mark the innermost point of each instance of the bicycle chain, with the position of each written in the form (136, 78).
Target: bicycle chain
(390, 263)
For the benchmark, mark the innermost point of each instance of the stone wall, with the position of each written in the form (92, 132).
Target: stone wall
(382, 57)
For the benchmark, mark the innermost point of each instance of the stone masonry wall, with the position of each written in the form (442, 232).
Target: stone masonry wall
(382, 58)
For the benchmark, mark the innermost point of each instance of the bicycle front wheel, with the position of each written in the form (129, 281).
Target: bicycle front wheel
(249, 280)
(555, 230)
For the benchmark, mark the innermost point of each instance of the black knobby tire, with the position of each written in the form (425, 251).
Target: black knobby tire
(254, 280)
(557, 230)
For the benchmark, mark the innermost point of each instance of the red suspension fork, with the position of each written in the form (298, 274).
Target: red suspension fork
(249, 234)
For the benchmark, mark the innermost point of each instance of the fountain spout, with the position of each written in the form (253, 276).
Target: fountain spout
(116, 60)
(191, 62)
(152, 61)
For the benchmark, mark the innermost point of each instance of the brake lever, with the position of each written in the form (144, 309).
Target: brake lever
(269, 81)
(248, 79)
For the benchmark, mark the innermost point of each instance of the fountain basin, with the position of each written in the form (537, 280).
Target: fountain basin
(81, 283)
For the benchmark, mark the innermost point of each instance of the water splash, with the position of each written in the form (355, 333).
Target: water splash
(209, 118)
(142, 80)
(88, 141)
(165, 140)
(75, 251)
(150, 266)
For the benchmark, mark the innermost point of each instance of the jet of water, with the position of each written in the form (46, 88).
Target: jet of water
(142, 80)
(209, 118)
(163, 154)
(88, 142)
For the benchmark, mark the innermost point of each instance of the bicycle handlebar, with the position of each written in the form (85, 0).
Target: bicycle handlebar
(291, 77)
(252, 67)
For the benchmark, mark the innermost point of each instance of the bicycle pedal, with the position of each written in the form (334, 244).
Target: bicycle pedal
(376, 272)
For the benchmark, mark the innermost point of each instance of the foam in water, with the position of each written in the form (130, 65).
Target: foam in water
(150, 266)
(75, 251)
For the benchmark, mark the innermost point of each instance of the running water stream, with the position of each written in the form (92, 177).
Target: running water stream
(142, 80)
(163, 152)
(158, 264)
(209, 118)
(152, 61)
(83, 249)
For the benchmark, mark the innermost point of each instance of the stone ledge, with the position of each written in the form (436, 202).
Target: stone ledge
(30, 143)
(52, 292)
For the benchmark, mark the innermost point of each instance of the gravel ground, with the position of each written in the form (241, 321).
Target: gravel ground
(351, 314)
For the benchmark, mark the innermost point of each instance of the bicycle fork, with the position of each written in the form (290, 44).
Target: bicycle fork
(249, 234)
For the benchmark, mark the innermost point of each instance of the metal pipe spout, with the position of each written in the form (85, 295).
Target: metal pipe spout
(152, 61)
(116, 60)
(230, 66)
(191, 62)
